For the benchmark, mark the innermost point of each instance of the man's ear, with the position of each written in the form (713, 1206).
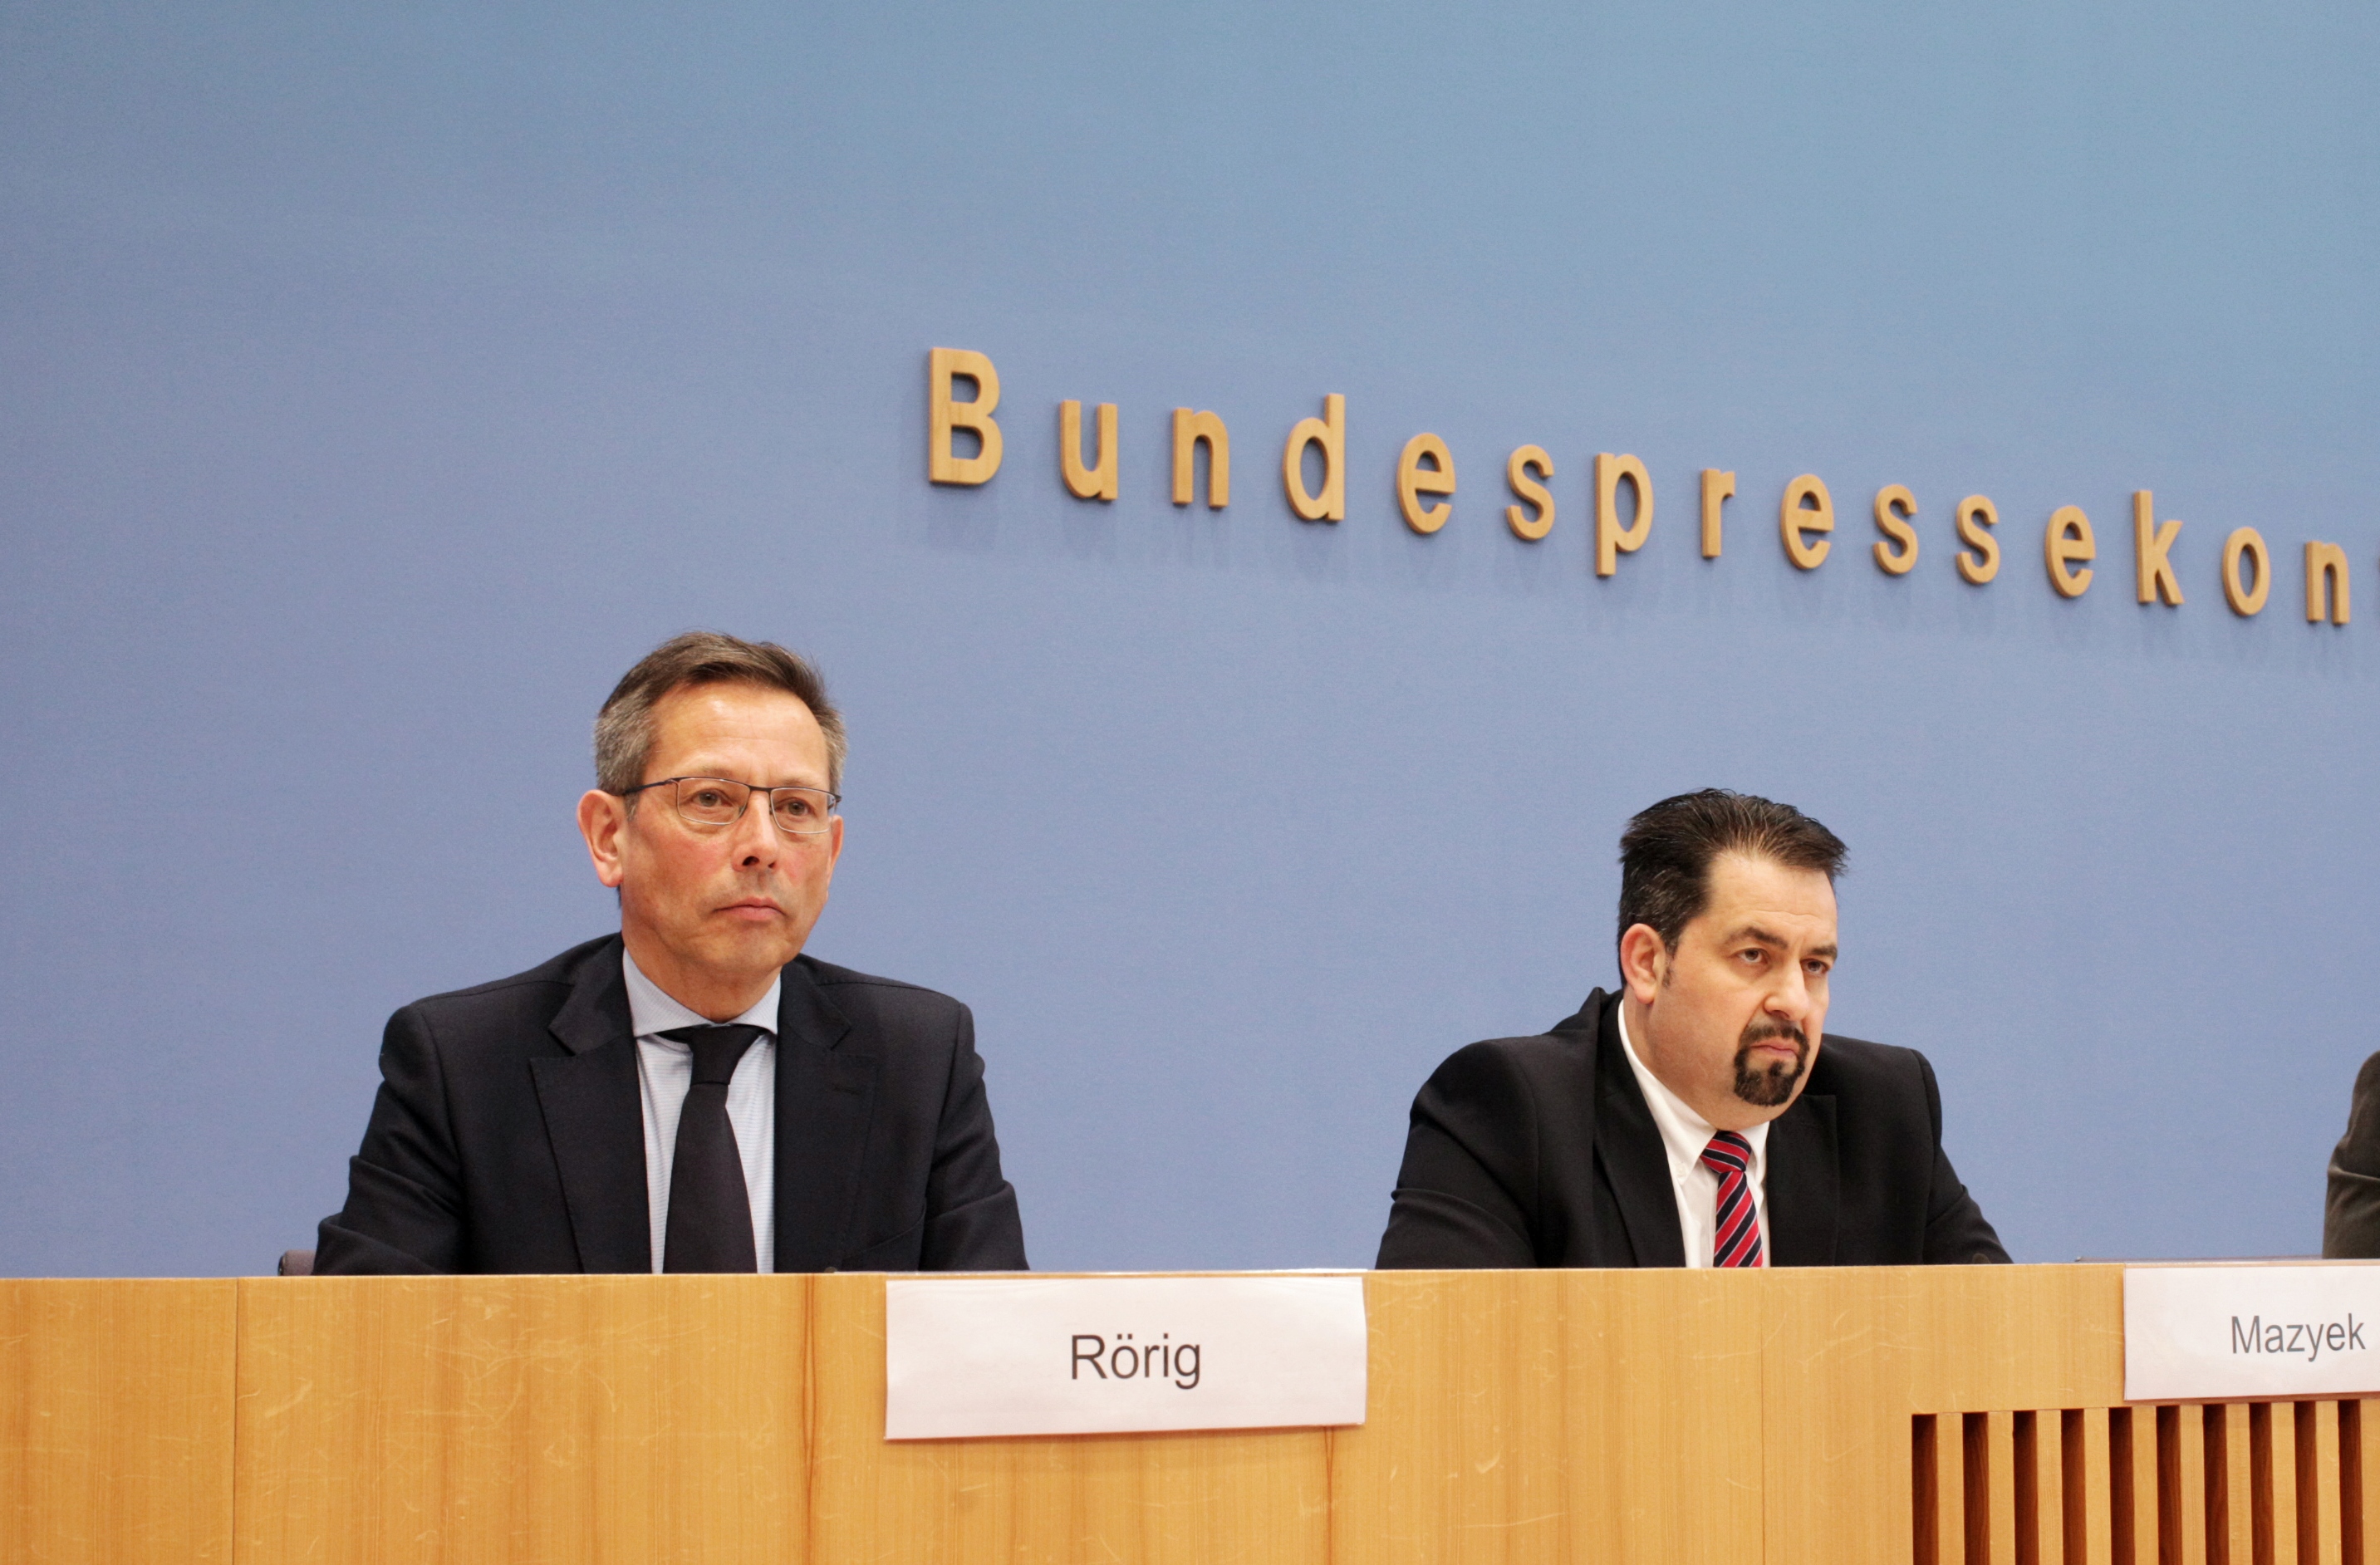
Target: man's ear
(1644, 962)
(602, 818)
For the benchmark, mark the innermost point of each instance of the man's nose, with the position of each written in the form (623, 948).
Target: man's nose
(756, 838)
(1791, 995)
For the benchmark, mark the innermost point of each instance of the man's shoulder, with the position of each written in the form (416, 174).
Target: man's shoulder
(1546, 1069)
(1570, 1045)
(542, 989)
(866, 999)
(1533, 1051)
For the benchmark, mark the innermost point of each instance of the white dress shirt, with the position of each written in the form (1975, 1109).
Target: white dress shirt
(1685, 1133)
(664, 1072)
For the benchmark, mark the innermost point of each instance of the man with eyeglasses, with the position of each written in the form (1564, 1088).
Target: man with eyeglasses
(692, 1093)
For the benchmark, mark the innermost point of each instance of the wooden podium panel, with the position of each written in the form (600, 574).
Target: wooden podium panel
(1851, 1352)
(116, 1421)
(519, 1420)
(1261, 1497)
(1520, 1416)
(1887, 1416)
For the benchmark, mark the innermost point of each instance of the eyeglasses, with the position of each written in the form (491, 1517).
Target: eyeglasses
(713, 802)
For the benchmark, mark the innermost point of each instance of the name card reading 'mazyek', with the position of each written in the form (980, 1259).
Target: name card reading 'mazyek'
(976, 1357)
(2206, 1332)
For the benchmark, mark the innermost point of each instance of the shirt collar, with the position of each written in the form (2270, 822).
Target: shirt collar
(653, 1012)
(1685, 1133)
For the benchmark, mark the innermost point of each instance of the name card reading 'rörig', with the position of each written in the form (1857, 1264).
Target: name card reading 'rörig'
(2208, 1333)
(973, 1357)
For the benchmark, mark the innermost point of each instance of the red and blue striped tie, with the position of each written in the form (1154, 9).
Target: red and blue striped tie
(1736, 1236)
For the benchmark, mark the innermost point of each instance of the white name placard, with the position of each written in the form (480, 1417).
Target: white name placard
(1096, 1356)
(2251, 1330)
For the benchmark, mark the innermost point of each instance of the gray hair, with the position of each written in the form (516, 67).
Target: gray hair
(624, 729)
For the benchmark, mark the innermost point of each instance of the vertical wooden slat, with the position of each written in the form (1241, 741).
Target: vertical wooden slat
(2214, 1448)
(2351, 1483)
(2168, 1485)
(2285, 1485)
(2051, 1436)
(1950, 1488)
(2024, 1444)
(2307, 1455)
(2003, 1460)
(2053, 1486)
(2073, 1489)
(2153, 1502)
(1976, 1434)
(2123, 1489)
(1926, 1490)
(2235, 1480)
(2368, 1416)
(2243, 1540)
(2326, 1485)
(2260, 1483)
(2193, 1487)
(2326, 1478)
(2091, 1547)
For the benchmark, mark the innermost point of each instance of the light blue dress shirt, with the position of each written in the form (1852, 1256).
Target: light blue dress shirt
(664, 1072)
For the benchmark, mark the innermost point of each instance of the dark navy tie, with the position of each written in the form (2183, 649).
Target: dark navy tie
(709, 1210)
(1735, 1238)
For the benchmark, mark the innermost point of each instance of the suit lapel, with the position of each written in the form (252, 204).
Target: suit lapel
(1628, 1146)
(1805, 1185)
(594, 1117)
(826, 1097)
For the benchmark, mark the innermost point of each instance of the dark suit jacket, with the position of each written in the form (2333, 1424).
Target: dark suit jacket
(2351, 1214)
(508, 1135)
(1540, 1152)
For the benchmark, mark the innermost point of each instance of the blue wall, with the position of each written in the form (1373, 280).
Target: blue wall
(376, 384)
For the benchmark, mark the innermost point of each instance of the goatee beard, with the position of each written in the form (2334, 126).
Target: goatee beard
(1772, 1087)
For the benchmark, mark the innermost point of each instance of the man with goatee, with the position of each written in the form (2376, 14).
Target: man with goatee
(1701, 1116)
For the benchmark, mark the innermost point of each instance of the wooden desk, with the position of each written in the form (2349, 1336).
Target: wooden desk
(1852, 1415)
(116, 1419)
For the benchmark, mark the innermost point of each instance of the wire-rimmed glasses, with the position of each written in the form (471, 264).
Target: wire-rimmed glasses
(713, 802)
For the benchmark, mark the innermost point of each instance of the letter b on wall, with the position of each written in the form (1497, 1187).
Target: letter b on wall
(944, 416)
